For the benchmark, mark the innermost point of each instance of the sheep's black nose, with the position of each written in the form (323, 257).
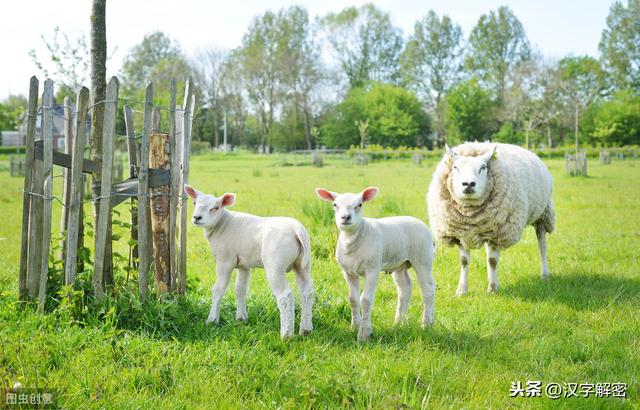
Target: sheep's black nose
(469, 184)
(197, 218)
(346, 218)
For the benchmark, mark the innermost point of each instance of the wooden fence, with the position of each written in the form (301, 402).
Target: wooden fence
(158, 171)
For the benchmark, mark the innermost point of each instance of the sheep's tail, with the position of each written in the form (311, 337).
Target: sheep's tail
(305, 244)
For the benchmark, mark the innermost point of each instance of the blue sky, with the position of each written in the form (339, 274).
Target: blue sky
(555, 27)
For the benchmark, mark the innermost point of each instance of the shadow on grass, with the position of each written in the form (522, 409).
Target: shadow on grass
(581, 291)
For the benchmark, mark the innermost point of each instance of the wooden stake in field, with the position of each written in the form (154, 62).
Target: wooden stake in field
(28, 187)
(74, 227)
(66, 175)
(133, 173)
(102, 230)
(47, 171)
(159, 158)
(189, 102)
(143, 196)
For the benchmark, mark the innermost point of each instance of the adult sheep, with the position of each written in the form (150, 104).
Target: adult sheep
(483, 193)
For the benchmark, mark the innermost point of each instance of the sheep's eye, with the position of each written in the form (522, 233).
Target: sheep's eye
(334, 205)
(482, 168)
(456, 168)
(215, 208)
(358, 206)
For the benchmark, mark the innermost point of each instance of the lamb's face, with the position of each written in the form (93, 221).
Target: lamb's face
(469, 174)
(347, 207)
(208, 208)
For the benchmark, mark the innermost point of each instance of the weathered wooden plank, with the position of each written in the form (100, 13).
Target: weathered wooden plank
(159, 158)
(66, 174)
(47, 174)
(175, 186)
(186, 142)
(64, 160)
(76, 188)
(28, 182)
(143, 198)
(102, 230)
(133, 173)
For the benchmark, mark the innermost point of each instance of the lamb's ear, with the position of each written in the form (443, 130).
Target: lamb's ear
(491, 154)
(449, 154)
(192, 192)
(228, 200)
(325, 194)
(369, 193)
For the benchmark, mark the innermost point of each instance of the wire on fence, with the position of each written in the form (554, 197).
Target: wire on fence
(113, 194)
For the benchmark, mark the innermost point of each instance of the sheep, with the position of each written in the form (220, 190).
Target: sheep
(242, 241)
(483, 193)
(367, 246)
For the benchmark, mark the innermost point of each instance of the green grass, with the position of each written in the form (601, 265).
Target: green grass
(581, 326)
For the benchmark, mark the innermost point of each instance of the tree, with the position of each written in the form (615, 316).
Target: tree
(497, 44)
(98, 94)
(620, 44)
(468, 109)
(393, 114)
(431, 61)
(70, 60)
(210, 72)
(11, 110)
(582, 81)
(616, 121)
(299, 66)
(365, 42)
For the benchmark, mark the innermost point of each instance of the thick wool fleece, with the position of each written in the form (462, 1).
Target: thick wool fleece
(518, 193)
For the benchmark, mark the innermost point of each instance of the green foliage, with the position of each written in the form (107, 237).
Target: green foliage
(468, 111)
(199, 147)
(394, 114)
(11, 110)
(365, 42)
(431, 61)
(616, 121)
(497, 44)
(620, 44)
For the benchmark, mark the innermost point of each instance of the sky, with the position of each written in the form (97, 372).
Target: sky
(555, 27)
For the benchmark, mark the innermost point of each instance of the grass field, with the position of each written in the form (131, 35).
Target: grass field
(582, 326)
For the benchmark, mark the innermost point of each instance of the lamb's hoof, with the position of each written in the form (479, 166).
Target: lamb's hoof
(215, 321)
(286, 336)
(427, 322)
(545, 275)
(241, 319)
(461, 292)
(355, 325)
(305, 332)
(364, 334)
(493, 288)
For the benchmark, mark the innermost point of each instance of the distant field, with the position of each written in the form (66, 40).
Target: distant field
(582, 326)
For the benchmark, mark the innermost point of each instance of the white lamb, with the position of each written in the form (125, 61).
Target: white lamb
(367, 246)
(242, 241)
(486, 194)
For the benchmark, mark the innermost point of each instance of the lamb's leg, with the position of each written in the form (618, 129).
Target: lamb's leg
(542, 246)
(493, 256)
(223, 277)
(465, 257)
(403, 285)
(354, 298)
(366, 301)
(424, 276)
(305, 287)
(241, 288)
(284, 297)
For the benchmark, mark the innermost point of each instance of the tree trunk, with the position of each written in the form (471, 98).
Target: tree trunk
(216, 130)
(577, 131)
(549, 141)
(98, 94)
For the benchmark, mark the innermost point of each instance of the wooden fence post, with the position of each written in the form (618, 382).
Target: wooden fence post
(159, 157)
(186, 142)
(102, 230)
(66, 175)
(35, 225)
(76, 198)
(174, 189)
(133, 173)
(28, 186)
(143, 198)
(47, 170)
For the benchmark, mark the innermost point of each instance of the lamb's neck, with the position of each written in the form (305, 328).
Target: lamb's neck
(225, 220)
(350, 241)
